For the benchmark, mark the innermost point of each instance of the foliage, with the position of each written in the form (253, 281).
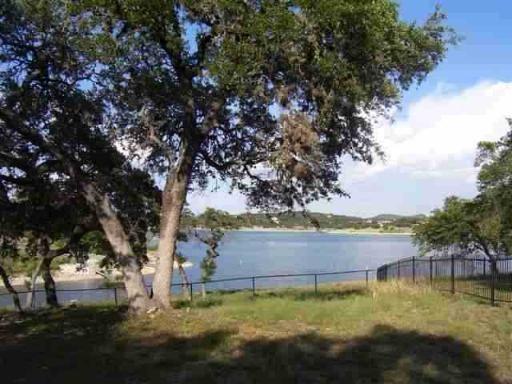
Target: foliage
(9, 255)
(55, 138)
(462, 227)
(286, 85)
(215, 223)
(495, 181)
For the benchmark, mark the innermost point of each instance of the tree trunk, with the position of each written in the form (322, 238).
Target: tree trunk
(173, 200)
(49, 283)
(184, 280)
(203, 290)
(33, 282)
(494, 267)
(11, 290)
(138, 299)
(493, 261)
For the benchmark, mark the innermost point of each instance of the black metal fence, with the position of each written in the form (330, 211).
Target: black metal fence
(117, 295)
(491, 280)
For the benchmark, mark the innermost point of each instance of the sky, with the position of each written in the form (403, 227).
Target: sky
(430, 143)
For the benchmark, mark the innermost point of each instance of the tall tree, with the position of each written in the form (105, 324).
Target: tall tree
(495, 180)
(213, 225)
(266, 95)
(482, 224)
(50, 107)
(463, 227)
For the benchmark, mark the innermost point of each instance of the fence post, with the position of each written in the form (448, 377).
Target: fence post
(431, 272)
(453, 274)
(316, 283)
(414, 270)
(493, 284)
(253, 286)
(366, 277)
(115, 295)
(191, 291)
(398, 269)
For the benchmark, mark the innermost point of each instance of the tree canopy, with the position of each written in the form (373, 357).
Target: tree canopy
(462, 227)
(55, 134)
(268, 95)
(495, 178)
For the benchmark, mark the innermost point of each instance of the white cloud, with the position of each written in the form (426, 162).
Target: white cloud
(437, 135)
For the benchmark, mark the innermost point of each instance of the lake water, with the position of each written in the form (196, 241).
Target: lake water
(268, 253)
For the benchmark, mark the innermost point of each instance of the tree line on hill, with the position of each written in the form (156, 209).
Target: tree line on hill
(316, 220)
(112, 111)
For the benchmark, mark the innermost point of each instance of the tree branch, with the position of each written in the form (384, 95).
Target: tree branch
(11, 119)
(10, 289)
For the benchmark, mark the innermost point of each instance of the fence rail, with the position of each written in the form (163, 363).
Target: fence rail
(490, 280)
(118, 294)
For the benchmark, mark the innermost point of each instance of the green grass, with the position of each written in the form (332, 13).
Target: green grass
(391, 333)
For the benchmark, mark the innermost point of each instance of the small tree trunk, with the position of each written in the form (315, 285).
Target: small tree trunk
(10, 289)
(493, 260)
(33, 282)
(173, 200)
(203, 290)
(49, 283)
(494, 267)
(138, 299)
(184, 280)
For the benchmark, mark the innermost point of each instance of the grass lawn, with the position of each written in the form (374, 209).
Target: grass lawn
(346, 334)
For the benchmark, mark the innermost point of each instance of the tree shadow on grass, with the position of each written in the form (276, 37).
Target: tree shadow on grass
(386, 355)
(84, 346)
(56, 346)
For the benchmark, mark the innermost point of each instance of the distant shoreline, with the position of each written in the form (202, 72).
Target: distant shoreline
(322, 230)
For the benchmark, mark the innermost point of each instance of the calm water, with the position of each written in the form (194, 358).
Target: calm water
(269, 253)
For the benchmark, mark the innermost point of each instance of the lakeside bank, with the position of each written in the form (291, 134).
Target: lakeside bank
(364, 232)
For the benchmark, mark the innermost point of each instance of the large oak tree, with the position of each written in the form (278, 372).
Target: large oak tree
(266, 95)
(54, 129)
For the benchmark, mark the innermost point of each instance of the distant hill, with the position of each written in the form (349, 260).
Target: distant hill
(325, 220)
(389, 216)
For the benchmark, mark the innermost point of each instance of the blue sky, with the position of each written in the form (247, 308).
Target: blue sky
(486, 51)
(430, 145)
